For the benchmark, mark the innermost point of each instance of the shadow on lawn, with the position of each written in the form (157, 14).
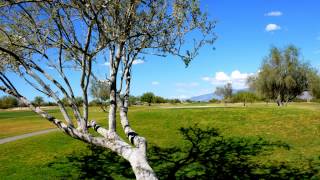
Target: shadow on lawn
(206, 155)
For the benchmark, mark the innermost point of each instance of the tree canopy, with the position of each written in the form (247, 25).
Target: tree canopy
(225, 92)
(283, 75)
(148, 97)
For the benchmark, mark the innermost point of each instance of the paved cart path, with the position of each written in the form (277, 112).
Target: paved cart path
(14, 138)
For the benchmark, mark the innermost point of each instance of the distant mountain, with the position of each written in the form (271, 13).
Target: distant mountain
(204, 98)
(208, 97)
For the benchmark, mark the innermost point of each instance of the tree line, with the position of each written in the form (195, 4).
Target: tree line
(282, 77)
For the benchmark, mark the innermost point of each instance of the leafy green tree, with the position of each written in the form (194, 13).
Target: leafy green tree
(314, 84)
(159, 99)
(147, 97)
(244, 97)
(225, 92)
(38, 101)
(175, 101)
(8, 102)
(282, 77)
(79, 101)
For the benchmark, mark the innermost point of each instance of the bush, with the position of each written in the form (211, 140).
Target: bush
(213, 100)
(8, 102)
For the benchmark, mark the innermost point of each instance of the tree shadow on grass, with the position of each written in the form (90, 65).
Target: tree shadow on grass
(209, 155)
(206, 155)
(93, 163)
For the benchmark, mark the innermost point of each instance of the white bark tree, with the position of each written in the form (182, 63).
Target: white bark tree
(71, 36)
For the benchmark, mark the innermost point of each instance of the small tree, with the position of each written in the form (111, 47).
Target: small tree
(38, 101)
(225, 92)
(147, 97)
(244, 97)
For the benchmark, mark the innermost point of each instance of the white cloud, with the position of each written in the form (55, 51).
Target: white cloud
(272, 27)
(138, 61)
(221, 76)
(237, 79)
(274, 13)
(155, 83)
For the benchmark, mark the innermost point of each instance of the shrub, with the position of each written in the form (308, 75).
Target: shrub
(8, 102)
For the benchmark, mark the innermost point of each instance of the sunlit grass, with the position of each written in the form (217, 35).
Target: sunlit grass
(297, 125)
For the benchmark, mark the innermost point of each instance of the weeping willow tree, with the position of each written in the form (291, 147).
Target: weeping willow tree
(283, 75)
(69, 37)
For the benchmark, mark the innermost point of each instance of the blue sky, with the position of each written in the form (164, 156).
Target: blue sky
(246, 30)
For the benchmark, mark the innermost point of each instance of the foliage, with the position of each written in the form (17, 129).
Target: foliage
(100, 90)
(8, 102)
(38, 101)
(282, 76)
(174, 101)
(314, 83)
(147, 97)
(225, 92)
(159, 99)
(244, 97)
(214, 100)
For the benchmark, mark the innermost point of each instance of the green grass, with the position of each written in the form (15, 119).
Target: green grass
(297, 125)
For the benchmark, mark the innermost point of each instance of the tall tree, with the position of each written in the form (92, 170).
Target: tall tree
(225, 92)
(148, 97)
(38, 101)
(70, 36)
(283, 76)
(244, 97)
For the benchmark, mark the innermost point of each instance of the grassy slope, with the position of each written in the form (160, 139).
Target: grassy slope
(298, 125)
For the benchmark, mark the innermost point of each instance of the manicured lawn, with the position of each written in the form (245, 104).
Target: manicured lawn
(298, 125)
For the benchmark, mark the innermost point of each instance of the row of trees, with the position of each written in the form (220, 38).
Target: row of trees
(228, 96)
(283, 76)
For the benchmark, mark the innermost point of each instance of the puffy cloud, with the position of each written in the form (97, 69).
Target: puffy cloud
(272, 27)
(221, 76)
(274, 13)
(138, 61)
(155, 83)
(237, 79)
